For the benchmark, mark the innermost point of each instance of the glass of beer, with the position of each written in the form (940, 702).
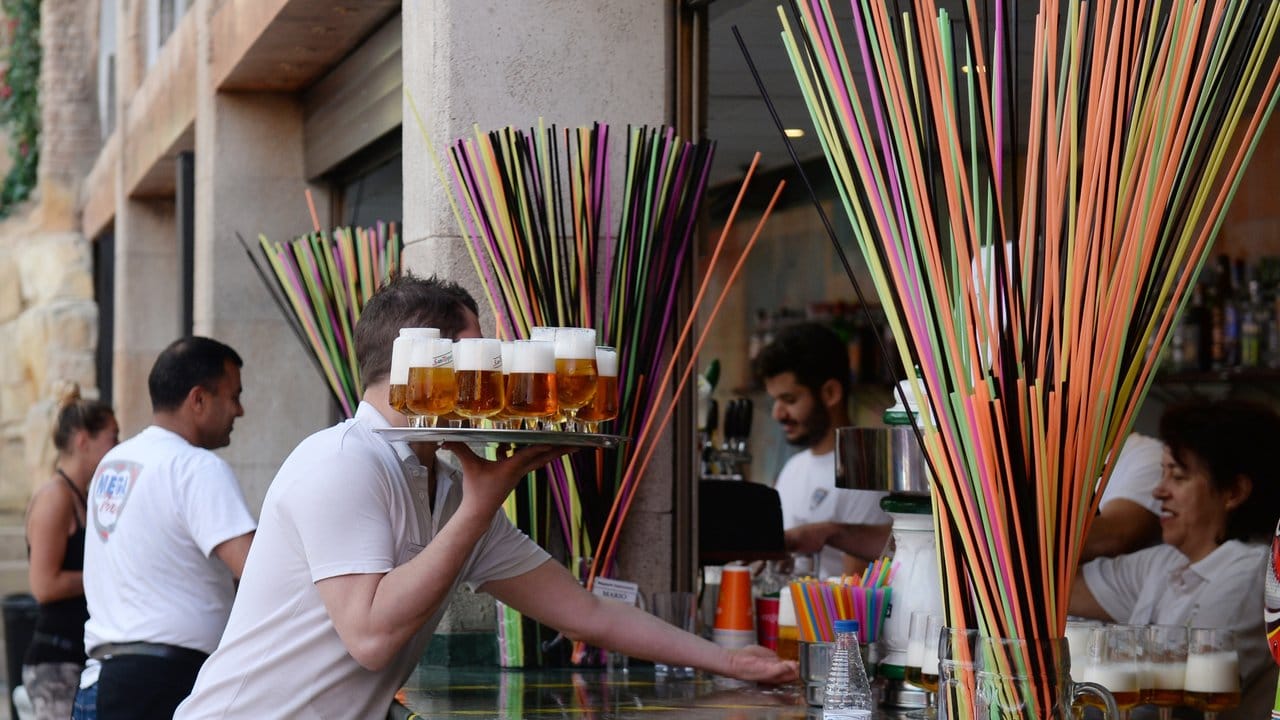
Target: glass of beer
(477, 370)
(401, 350)
(502, 419)
(922, 659)
(575, 370)
(1213, 671)
(531, 384)
(1115, 652)
(604, 405)
(432, 389)
(1165, 658)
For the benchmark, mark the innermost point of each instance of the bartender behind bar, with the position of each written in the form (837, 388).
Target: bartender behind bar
(806, 372)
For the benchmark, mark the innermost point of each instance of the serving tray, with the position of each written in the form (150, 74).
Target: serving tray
(515, 437)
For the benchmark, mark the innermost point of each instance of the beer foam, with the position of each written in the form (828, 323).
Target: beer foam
(606, 362)
(575, 343)
(1167, 676)
(533, 356)
(508, 350)
(542, 332)
(477, 354)
(915, 653)
(401, 350)
(1118, 677)
(431, 352)
(420, 332)
(1215, 672)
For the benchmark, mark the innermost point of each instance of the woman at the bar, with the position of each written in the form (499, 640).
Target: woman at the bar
(1219, 498)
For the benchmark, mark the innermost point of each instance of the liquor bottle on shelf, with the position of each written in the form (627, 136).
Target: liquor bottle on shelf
(1251, 321)
(1202, 322)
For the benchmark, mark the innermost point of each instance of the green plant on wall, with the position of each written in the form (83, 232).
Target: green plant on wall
(19, 99)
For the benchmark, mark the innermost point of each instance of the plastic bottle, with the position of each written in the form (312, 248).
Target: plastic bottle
(847, 695)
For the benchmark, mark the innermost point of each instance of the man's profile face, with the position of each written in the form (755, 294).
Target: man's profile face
(218, 408)
(803, 418)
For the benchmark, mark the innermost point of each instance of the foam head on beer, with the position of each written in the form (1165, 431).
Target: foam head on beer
(606, 361)
(575, 344)
(533, 356)
(477, 354)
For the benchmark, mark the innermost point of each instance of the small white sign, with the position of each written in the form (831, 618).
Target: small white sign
(620, 590)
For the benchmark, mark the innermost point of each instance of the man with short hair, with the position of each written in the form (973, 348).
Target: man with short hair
(364, 540)
(168, 535)
(805, 370)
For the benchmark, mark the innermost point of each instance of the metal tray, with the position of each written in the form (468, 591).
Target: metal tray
(515, 437)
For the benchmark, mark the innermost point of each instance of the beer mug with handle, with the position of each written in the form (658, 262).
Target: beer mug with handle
(1023, 679)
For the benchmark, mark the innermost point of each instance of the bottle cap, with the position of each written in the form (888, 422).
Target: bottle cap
(843, 626)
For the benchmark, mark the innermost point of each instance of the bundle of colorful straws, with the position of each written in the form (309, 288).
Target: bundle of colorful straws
(866, 599)
(1030, 289)
(321, 282)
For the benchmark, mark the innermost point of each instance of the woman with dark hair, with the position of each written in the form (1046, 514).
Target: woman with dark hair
(1219, 500)
(85, 430)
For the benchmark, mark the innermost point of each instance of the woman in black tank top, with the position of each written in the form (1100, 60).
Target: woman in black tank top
(84, 431)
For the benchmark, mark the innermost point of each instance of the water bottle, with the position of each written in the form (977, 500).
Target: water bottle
(848, 693)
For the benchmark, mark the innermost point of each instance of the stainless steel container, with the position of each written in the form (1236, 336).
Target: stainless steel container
(881, 458)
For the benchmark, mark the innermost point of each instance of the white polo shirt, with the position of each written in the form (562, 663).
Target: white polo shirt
(1158, 586)
(345, 502)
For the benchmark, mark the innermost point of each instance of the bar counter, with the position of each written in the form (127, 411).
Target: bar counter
(440, 693)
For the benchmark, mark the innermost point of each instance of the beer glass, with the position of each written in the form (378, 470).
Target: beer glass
(922, 658)
(1115, 652)
(432, 389)
(575, 370)
(477, 368)
(502, 419)
(1165, 656)
(531, 386)
(1078, 644)
(1213, 671)
(398, 378)
(604, 405)
(957, 683)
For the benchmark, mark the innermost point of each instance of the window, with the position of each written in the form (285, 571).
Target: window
(162, 19)
(107, 69)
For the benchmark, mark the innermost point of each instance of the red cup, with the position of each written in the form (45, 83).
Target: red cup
(767, 622)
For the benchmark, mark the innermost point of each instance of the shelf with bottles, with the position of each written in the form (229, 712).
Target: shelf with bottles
(1228, 333)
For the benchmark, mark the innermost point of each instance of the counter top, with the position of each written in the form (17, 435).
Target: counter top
(595, 694)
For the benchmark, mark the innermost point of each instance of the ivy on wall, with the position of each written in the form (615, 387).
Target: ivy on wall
(19, 99)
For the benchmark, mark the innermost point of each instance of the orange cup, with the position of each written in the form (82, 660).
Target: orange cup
(733, 609)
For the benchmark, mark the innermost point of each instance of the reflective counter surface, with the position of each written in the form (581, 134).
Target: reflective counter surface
(597, 694)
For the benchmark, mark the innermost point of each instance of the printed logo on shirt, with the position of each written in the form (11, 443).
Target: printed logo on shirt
(110, 491)
(819, 494)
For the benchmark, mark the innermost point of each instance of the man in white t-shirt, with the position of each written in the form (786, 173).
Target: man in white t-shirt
(805, 370)
(168, 533)
(362, 542)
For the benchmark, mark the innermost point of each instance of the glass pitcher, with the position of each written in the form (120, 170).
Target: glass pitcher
(1025, 679)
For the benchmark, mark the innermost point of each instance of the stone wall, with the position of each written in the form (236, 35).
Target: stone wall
(48, 318)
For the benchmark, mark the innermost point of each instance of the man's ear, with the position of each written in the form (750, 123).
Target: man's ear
(197, 399)
(831, 394)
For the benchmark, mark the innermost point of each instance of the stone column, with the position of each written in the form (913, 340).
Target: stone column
(250, 180)
(497, 63)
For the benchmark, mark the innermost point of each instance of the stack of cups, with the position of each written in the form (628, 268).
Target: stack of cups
(734, 627)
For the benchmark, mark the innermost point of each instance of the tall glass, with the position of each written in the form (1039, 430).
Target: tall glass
(477, 365)
(531, 390)
(922, 658)
(957, 690)
(1213, 671)
(432, 389)
(398, 378)
(1165, 656)
(604, 406)
(1024, 679)
(575, 370)
(1115, 653)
